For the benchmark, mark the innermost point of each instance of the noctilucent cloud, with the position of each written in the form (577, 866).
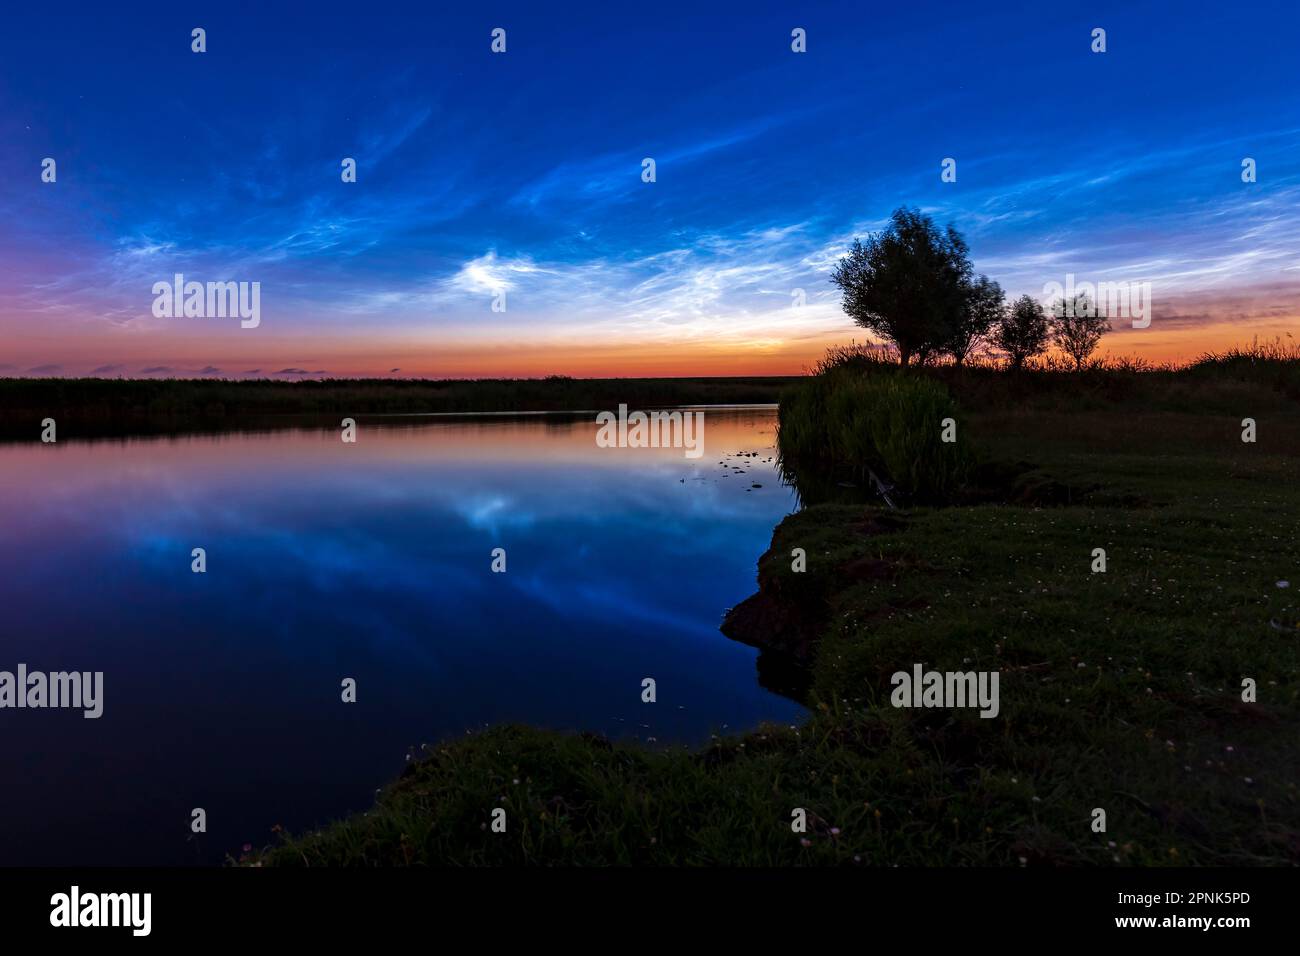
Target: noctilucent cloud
(481, 173)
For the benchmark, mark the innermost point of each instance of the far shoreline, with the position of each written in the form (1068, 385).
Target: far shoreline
(122, 407)
(99, 408)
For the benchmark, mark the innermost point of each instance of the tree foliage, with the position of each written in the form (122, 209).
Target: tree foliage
(1023, 332)
(983, 311)
(1077, 326)
(910, 284)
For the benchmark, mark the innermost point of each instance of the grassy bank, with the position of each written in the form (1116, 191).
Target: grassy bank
(85, 407)
(1119, 690)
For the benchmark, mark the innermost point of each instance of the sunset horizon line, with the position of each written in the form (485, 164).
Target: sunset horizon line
(1107, 357)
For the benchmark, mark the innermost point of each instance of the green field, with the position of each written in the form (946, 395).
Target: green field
(1120, 691)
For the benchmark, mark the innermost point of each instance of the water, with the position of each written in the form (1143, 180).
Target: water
(370, 561)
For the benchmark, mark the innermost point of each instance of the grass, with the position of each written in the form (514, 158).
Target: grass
(843, 423)
(1119, 690)
(1262, 375)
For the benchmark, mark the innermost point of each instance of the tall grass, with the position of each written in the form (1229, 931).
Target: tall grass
(859, 416)
(862, 358)
(1256, 355)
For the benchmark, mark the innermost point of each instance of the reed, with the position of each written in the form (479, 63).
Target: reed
(858, 417)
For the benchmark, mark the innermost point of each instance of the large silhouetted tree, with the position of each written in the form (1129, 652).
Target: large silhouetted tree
(909, 284)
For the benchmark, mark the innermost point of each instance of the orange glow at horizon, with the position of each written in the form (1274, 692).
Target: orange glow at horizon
(1181, 330)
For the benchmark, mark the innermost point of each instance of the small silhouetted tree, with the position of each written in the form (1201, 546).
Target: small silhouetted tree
(983, 310)
(1023, 331)
(908, 284)
(1077, 327)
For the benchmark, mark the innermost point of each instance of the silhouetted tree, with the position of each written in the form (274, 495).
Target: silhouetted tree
(984, 310)
(909, 284)
(1077, 327)
(1023, 331)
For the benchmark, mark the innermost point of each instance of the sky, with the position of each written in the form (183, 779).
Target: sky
(482, 173)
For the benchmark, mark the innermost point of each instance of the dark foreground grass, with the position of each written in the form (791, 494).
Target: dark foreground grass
(1120, 691)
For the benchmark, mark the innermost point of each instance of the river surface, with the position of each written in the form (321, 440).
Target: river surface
(371, 561)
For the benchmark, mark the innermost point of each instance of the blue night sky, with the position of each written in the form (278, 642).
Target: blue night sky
(521, 171)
